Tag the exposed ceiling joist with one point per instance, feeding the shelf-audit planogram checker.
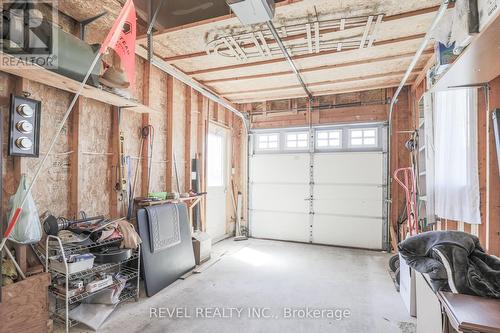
(399, 74)
(301, 36)
(340, 90)
(303, 56)
(406, 55)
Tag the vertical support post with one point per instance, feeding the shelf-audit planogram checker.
(215, 112)
(202, 139)
(187, 139)
(146, 121)
(170, 133)
(74, 194)
(114, 163)
(20, 168)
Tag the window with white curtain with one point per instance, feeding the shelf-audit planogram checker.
(456, 166)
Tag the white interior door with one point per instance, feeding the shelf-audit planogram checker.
(217, 171)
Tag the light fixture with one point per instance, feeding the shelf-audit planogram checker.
(252, 11)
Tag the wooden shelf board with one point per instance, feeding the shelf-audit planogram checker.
(478, 63)
(44, 76)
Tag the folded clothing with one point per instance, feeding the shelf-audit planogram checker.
(454, 261)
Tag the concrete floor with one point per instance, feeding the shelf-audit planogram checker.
(273, 278)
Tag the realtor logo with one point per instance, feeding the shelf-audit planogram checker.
(28, 31)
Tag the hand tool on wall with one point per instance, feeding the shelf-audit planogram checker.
(121, 185)
(176, 174)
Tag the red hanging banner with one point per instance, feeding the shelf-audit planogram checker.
(122, 37)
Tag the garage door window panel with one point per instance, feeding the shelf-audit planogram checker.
(329, 139)
(268, 142)
(363, 137)
(299, 141)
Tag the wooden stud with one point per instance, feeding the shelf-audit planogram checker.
(187, 139)
(74, 194)
(202, 142)
(322, 83)
(320, 68)
(21, 86)
(146, 121)
(305, 35)
(302, 56)
(349, 89)
(170, 134)
(114, 163)
(215, 112)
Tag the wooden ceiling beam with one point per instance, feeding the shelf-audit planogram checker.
(250, 45)
(324, 83)
(389, 84)
(319, 68)
(422, 11)
(298, 57)
(418, 12)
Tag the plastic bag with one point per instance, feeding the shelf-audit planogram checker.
(28, 229)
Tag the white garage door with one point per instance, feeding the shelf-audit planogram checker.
(280, 187)
(346, 183)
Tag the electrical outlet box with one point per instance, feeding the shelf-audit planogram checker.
(24, 129)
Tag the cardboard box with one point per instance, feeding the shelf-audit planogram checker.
(407, 286)
(25, 305)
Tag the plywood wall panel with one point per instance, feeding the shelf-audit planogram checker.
(53, 184)
(178, 134)
(95, 146)
(131, 127)
(158, 99)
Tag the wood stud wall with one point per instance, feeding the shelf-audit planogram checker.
(87, 160)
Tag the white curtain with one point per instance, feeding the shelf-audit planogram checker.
(456, 166)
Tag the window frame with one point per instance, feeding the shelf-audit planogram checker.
(267, 134)
(328, 131)
(344, 129)
(350, 145)
(297, 133)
